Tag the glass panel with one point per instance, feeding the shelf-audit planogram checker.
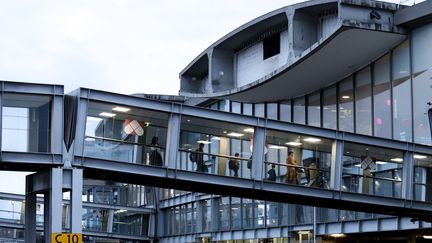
(247, 212)
(382, 100)
(207, 214)
(133, 136)
(215, 147)
(224, 214)
(297, 159)
(346, 105)
(402, 124)
(422, 177)
(272, 111)
(247, 109)
(272, 214)
(314, 109)
(26, 123)
(422, 82)
(299, 110)
(126, 222)
(235, 213)
(363, 103)
(372, 170)
(259, 213)
(259, 110)
(236, 107)
(224, 105)
(329, 108)
(285, 111)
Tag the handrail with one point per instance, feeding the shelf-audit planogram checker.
(216, 155)
(295, 166)
(379, 178)
(124, 141)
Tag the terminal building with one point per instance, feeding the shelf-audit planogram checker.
(311, 123)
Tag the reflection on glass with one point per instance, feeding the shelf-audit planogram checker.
(329, 108)
(26, 123)
(382, 100)
(247, 109)
(422, 178)
(259, 110)
(363, 102)
(285, 111)
(299, 110)
(372, 170)
(236, 107)
(314, 109)
(402, 121)
(272, 111)
(346, 105)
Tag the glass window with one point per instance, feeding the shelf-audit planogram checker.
(214, 106)
(272, 111)
(382, 100)
(346, 105)
(224, 214)
(285, 111)
(314, 109)
(372, 170)
(125, 134)
(235, 213)
(422, 178)
(247, 212)
(26, 123)
(259, 110)
(247, 109)
(224, 105)
(402, 125)
(299, 110)
(363, 102)
(422, 82)
(236, 107)
(329, 108)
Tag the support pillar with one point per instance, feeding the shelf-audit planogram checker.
(173, 136)
(53, 209)
(408, 176)
(76, 201)
(258, 154)
(30, 213)
(336, 165)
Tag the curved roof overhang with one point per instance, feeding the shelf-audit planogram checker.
(343, 53)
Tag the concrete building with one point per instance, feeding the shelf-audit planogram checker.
(308, 124)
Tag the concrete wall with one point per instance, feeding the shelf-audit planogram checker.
(305, 26)
(222, 70)
(250, 65)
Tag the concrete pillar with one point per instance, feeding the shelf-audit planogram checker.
(53, 204)
(30, 212)
(110, 220)
(336, 165)
(258, 154)
(173, 136)
(76, 201)
(408, 176)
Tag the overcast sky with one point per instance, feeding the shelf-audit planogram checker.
(124, 46)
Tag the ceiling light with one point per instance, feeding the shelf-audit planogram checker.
(216, 138)
(381, 163)
(418, 156)
(121, 109)
(250, 130)
(107, 114)
(357, 165)
(294, 143)
(427, 237)
(204, 142)
(276, 147)
(397, 159)
(337, 235)
(346, 97)
(235, 134)
(312, 140)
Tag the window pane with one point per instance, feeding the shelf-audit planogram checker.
(285, 111)
(363, 102)
(272, 111)
(402, 124)
(346, 105)
(314, 114)
(224, 105)
(259, 110)
(329, 108)
(235, 107)
(382, 100)
(299, 110)
(247, 109)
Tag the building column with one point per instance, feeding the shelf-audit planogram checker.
(408, 175)
(258, 154)
(110, 222)
(53, 209)
(30, 212)
(173, 136)
(76, 201)
(336, 165)
(199, 216)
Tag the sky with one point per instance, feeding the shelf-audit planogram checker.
(122, 46)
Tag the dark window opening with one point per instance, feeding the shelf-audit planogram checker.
(271, 46)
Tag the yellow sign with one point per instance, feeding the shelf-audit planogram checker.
(66, 238)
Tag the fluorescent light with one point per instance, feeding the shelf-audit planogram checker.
(250, 130)
(418, 156)
(397, 159)
(235, 134)
(204, 142)
(346, 97)
(216, 138)
(427, 237)
(337, 235)
(312, 140)
(381, 163)
(107, 114)
(121, 109)
(357, 165)
(294, 143)
(276, 147)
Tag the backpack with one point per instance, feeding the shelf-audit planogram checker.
(231, 164)
(193, 157)
(249, 163)
(156, 158)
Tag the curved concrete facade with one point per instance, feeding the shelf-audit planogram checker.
(312, 48)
